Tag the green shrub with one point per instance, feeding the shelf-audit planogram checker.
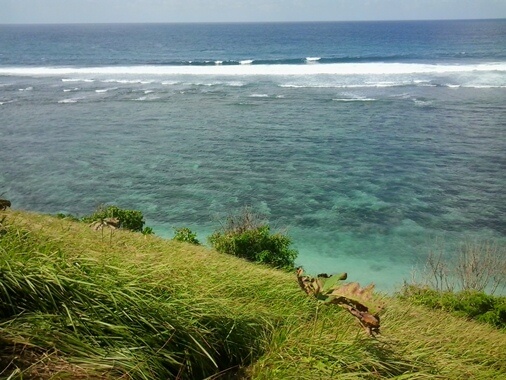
(148, 231)
(256, 244)
(185, 235)
(468, 304)
(128, 219)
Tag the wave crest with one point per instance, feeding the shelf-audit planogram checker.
(249, 69)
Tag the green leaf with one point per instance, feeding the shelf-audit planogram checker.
(330, 283)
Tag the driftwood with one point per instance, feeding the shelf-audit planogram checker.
(350, 297)
(4, 203)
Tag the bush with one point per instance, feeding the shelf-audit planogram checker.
(245, 236)
(148, 231)
(132, 220)
(185, 235)
(467, 303)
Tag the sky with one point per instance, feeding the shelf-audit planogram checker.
(100, 11)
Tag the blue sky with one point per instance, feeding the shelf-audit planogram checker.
(70, 11)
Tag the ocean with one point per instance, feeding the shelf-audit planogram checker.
(368, 143)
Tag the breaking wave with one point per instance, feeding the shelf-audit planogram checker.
(246, 68)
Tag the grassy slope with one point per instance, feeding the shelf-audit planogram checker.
(88, 304)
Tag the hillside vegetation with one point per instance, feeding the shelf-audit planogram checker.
(77, 303)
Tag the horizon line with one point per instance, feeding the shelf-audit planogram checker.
(245, 22)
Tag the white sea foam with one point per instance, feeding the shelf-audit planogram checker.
(144, 98)
(26, 89)
(422, 103)
(246, 68)
(484, 86)
(235, 84)
(64, 79)
(292, 86)
(401, 83)
(102, 90)
(354, 99)
(380, 84)
(337, 85)
(404, 95)
(218, 62)
(335, 75)
(312, 59)
(373, 85)
(246, 62)
(127, 81)
(259, 96)
(67, 101)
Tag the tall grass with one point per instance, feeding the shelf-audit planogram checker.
(139, 307)
(83, 307)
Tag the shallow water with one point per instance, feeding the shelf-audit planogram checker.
(364, 163)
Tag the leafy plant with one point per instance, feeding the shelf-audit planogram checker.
(246, 235)
(256, 244)
(148, 231)
(356, 300)
(186, 235)
(128, 219)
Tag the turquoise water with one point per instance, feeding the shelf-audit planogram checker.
(366, 154)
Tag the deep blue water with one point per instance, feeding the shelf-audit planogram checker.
(369, 142)
(282, 43)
